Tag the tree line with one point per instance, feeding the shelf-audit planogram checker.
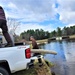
(38, 34)
(66, 31)
(41, 34)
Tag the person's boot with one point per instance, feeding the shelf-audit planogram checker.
(8, 39)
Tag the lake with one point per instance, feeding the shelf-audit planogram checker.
(64, 61)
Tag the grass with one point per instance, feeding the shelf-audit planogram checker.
(26, 72)
(50, 64)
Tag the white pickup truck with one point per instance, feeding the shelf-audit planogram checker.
(14, 59)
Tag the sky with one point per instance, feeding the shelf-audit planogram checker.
(40, 14)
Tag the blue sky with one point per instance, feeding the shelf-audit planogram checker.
(40, 14)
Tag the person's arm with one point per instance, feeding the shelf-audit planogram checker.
(27, 42)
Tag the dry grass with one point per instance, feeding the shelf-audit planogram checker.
(72, 36)
(26, 72)
(40, 41)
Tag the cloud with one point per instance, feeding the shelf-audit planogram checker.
(40, 11)
(66, 10)
(25, 27)
(70, 25)
(30, 10)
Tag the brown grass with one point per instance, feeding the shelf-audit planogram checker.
(72, 36)
(26, 72)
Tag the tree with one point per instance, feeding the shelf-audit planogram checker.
(38, 34)
(13, 26)
(59, 32)
(64, 31)
(53, 34)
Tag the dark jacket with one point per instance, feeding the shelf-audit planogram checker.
(2, 14)
(35, 46)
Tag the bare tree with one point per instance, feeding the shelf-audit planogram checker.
(13, 25)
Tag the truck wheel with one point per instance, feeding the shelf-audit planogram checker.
(3, 71)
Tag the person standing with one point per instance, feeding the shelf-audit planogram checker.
(3, 26)
(34, 45)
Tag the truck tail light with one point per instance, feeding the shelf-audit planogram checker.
(28, 53)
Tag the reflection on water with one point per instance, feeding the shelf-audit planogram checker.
(64, 61)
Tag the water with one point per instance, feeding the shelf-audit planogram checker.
(65, 59)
